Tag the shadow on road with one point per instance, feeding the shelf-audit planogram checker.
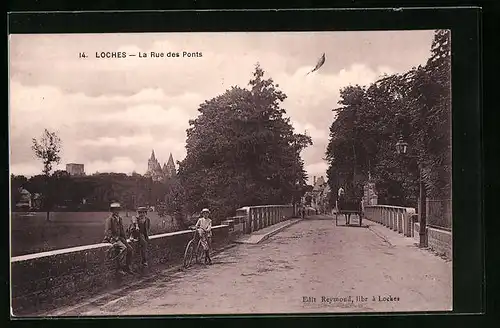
(353, 226)
(319, 217)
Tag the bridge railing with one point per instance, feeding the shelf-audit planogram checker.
(252, 218)
(396, 218)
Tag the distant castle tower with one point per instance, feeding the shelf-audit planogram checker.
(169, 169)
(156, 172)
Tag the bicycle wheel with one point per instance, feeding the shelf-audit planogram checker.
(188, 254)
(200, 253)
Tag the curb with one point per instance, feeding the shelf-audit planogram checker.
(272, 233)
(380, 235)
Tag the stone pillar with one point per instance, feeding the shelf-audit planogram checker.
(259, 219)
(264, 214)
(400, 226)
(254, 221)
(398, 212)
(387, 216)
(370, 194)
(248, 221)
(266, 217)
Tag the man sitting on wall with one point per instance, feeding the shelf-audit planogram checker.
(139, 230)
(115, 234)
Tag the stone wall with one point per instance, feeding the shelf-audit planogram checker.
(50, 279)
(440, 241)
(416, 231)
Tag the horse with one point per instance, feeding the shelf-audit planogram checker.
(341, 208)
(348, 208)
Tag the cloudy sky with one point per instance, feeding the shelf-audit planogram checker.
(110, 113)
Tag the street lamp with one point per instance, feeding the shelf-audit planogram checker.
(401, 146)
(401, 149)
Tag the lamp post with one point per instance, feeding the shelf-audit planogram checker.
(402, 148)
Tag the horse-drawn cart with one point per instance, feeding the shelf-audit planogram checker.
(348, 208)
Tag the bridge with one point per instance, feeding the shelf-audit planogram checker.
(266, 261)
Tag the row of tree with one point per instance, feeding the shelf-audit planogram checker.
(61, 191)
(414, 106)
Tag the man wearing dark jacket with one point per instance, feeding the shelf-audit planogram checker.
(139, 230)
(115, 234)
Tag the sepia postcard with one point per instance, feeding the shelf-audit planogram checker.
(230, 173)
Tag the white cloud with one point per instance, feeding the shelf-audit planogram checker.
(149, 115)
(117, 164)
(28, 169)
(122, 141)
(311, 130)
(317, 169)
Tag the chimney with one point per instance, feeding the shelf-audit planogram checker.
(314, 180)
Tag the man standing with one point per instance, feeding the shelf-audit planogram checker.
(114, 233)
(340, 198)
(140, 230)
(204, 227)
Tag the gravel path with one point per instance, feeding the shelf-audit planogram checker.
(312, 266)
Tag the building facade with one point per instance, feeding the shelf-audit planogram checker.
(75, 169)
(159, 173)
(319, 195)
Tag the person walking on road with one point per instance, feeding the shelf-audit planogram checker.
(204, 228)
(114, 233)
(139, 230)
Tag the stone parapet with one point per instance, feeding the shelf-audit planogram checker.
(49, 279)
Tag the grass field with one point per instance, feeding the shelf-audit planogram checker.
(31, 233)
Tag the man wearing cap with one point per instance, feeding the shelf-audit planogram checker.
(204, 227)
(115, 234)
(340, 198)
(140, 230)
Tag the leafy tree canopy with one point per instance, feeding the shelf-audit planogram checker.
(415, 105)
(242, 150)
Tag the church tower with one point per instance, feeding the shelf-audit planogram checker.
(154, 169)
(169, 168)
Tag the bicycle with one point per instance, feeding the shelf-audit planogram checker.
(192, 250)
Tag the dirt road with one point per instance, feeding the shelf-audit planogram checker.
(312, 266)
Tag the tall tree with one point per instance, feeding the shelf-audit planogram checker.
(47, 149)
(242, 150)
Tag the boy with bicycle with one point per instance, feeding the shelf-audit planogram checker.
(204, 228)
